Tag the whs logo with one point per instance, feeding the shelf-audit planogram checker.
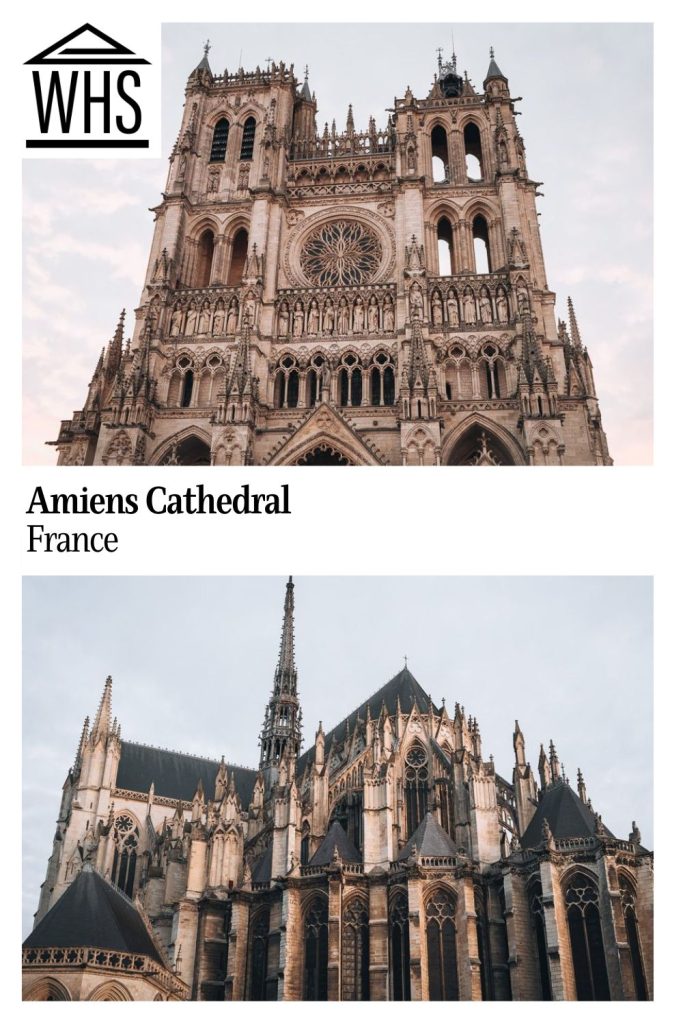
(89, 92)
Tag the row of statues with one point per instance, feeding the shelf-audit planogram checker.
(470, 307)
(341, 317)
(212, 318)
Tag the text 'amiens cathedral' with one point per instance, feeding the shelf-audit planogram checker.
(390, 861)
(344, 297)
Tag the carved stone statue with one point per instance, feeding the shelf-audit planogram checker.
(219, 318)
(233, 314)
(502, 307)
(416, 303)
(452, 307)
(437, 309)
(389, 320)
(298, 318)
(358, 316)
(343, 320)
(485, 310)
(191, 322)
(249, 309)
(469, 307)
(328, 317)
(313, 318)
(176, 323)
(522, 299)
(373, 316)
(204, 324)
(283, 321)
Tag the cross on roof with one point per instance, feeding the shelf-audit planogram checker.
(207, 47)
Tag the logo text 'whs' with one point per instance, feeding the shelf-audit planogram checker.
(88, 92)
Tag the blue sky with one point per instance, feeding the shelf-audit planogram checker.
(587, 124)
(192, 661)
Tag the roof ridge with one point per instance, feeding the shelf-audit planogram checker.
(186, 753)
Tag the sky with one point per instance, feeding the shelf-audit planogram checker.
(587, 124)
(192, 661)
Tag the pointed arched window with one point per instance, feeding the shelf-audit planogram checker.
(444, 235)
(439, 154)
(258, 955)
(473, 154)
(535, 894)
(585, 933)
(315, 950)
(126, 835)
(248, 134)
(355, 951)
(442, 961)
(399, 948)
(219, 143)
(628, 905)
(205, 249)
(416, 787)
(238, 257)
(482, 248)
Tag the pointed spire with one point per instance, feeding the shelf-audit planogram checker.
(204, 62)
(282, 726)
(573, 326)
(81, 745)
(555, 773)
(493, 71)
(102, 724)
(518, 745)
(581, 786)
(350, 128)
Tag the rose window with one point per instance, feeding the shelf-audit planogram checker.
(342, 253)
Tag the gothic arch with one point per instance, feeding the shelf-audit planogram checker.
(581, 892)
(197, 227)
(164, 449)
(324, 428)
(477, 422)
(48, 990)
(110, 992)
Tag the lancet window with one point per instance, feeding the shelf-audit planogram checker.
(416, 787)
(538, 926)
(399, 948)
(258, 967)
(219, 143)
(628, 905)
(442, 963)
(248, 135)
(355, 951)
(126, 836)
(315, 950)
(585, 933)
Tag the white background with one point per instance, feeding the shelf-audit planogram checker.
(402, 521)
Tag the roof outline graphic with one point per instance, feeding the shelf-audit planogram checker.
(113, 53)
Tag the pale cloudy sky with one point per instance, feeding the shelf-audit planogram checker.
(587, 123)
(193, 659)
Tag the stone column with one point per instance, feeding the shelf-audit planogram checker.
(379, 940)
(237, 949)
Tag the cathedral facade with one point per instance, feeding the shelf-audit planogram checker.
(348, 296)
(390, 861)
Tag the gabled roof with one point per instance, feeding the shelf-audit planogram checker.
(175, 775)
(430, 840)
(336, 837)
(404, 687)
(566, 814)
(93, 913)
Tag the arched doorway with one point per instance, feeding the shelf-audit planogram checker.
(323, 455)
(191, 451)
(478, 447)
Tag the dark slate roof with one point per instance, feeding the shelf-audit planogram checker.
(430, 840)
(494, 71)
(263, 868)
(403, 687)
(175, 775)
(336, 836)
(93, 913)
(565, 812)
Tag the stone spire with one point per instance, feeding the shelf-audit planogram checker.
(102, 724)
(573, 326)
(282, 723)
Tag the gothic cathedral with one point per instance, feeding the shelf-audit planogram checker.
(390, 861)
(344, 297)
